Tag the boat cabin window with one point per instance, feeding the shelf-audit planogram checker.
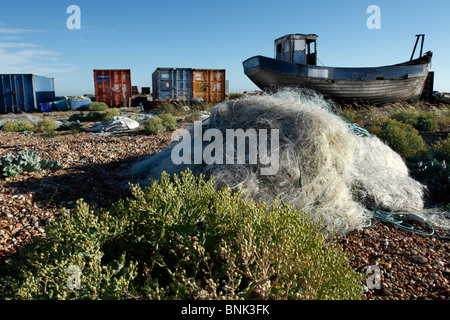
(296, 49)
(279, 48)
(311, 56)
(282, 50)
(299, 45)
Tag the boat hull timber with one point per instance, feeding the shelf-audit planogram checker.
(377, 85)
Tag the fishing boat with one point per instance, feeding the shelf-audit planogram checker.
(295, 65)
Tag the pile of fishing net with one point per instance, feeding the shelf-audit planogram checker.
(326, 166)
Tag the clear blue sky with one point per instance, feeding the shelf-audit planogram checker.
(142, 35)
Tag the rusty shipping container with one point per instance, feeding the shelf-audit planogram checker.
(208, 85)
(113, 87)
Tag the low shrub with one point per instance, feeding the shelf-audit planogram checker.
(168, 121)
(111, 113)
(86, 117)
(401, 137)
(18, 125)
(97, 106)
(427, 123)
(174, 108)
(75, 126)
(47, 125)
(76, 117)
(155, 126)
(408, 117)
(433, 171)
(422, 121)
(166, 107)
(182, 239)
(443, 146)
(193, 116)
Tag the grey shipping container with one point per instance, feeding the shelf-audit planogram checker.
(172, 84)
(24, 92)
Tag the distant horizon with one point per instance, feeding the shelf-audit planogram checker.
(53, 39)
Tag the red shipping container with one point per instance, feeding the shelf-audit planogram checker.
(113, 87)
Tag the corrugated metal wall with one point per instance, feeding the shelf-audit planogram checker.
(186, 84)
(24, 92)
(172, 84)
(208, 85)
(113, 87)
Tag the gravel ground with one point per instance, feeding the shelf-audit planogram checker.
(95, 168)
(411, 266)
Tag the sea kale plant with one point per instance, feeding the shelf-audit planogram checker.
(29, 161)
(181, 238)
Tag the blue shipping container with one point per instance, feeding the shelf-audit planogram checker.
(24, 92)
(172, 84)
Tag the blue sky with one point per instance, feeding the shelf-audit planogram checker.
(142, 35)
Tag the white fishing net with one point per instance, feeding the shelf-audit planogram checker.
(325, 168)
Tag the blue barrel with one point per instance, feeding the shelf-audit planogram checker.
(79, 104)
(46, 106)
(62, 105)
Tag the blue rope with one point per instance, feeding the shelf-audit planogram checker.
(354, 126)
(399, 220)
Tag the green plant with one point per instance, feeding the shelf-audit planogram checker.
(433, 171)
(235, 96)
(443, 146)
(111, 113)
(193, 116)
(76, 117)
(47, 125)
(174, 108)
(166, 107)
(18, 125)
(182, 239)
(155, 126)
(168, 121)
(70, 126)
(427, 123)
(408, 117)
(422, 121)
(401, 137)
(97, 106)
(94, 116)
(25, 161)
(90, 116)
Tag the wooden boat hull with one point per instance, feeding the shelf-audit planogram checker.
(373, 85)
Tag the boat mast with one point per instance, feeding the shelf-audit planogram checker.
(418, 36)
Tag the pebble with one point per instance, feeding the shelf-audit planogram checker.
(440, 263)
(393, 247)
(30, 201)
(418, 259)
